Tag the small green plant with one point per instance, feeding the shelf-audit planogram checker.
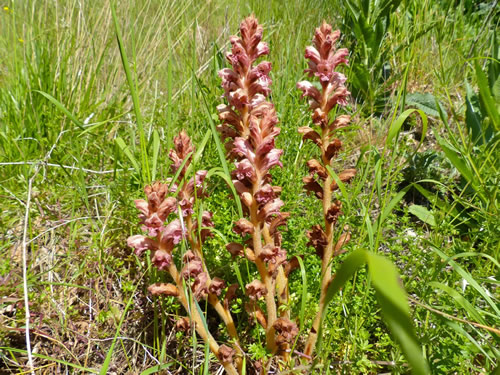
(368, 22)
(249, 130)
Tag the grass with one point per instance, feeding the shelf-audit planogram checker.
(76, 181)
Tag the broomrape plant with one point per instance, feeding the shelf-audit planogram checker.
(248, 127)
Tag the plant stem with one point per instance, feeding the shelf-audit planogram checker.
(264, 274)
(188, 302)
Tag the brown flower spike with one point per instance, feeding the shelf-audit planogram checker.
(249, 125)
(323, 59)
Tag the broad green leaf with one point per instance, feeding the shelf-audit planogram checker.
(473, 118)
(392, 300)
(351, 264)
(395, 310)
(486, 97)
(423, 214)
(427, 103)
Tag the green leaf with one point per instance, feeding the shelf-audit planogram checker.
(423, 214)
(396, 125)
(155, 369)
(303, 299)
(455, 159)
(156, 152)
(135, 99)
(392, 300)
(460, 300)
(486, 97)
(395, 310)
(109, 355)
(468, 277)
(427, 103)
(61, 107)
(126, 150)
(473, 118)
(394, 201)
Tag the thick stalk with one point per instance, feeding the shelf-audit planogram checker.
(212, 298)
(281, 279)
(326, 267)
(326, 272)
(188, 304)
(264, 274)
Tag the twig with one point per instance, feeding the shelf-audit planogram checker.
(37, 163)
(24, 249)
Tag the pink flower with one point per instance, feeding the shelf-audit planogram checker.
(312, 54)
(271, 159)
(270, 208)
(199, 287)
(265, 194)
(245, 171)
(216, 286)
(243, 148)
(171, 234)
(193, 268)
(141, 244)
(309, 90)
(235, 249)
(142, 206)
(256, 290)
(243, 226)
(162, 259)
(186, 207)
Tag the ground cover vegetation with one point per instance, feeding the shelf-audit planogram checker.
(99, 100)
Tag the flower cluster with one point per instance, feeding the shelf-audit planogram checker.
(163, 235)
(249, 121)
(249, 127)
(323, 60)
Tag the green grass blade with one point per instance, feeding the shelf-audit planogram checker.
(468, 277)
(303, 294)
(388, 209)
(126, 150)
(155, 369)
(460, 300)
(396, 125)
(225, 177)
(109, 355)
(62, 108)
(146, 177)
(41, 356)
(156, 152)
